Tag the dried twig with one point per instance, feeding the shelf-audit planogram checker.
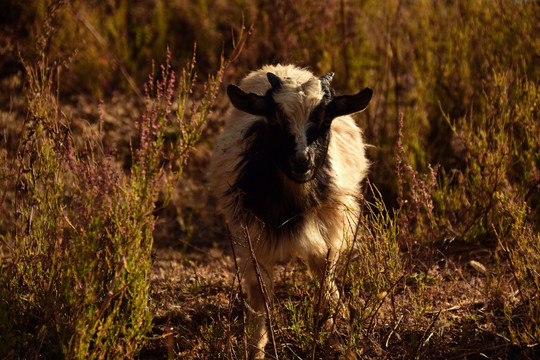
(376, 310)
(424, 338)
(231, 303)
(393, 331)
(317, 313)
(262, 288)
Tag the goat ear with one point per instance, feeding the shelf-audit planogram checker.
(251, 103)
(348, 104)
(274, 80)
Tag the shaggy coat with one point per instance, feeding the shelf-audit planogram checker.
(287, 168)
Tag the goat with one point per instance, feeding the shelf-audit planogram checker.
(286, 173)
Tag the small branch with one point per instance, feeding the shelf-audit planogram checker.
(317, 313)
(393, 331)
(423, 338)
(513, 270)
(262, 288)
(376, 310)
(231, 302)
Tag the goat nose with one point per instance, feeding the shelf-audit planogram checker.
(302, 157)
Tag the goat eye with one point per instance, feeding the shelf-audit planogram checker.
(274, 118)
(279, 119)
(318, 116)
(324, 121)
(327, 120)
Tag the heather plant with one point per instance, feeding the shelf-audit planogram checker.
(500, 150)
(415, 202)
(75, 276)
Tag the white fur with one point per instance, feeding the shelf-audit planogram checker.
(326, 225)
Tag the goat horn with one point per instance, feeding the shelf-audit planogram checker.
(327, 79)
